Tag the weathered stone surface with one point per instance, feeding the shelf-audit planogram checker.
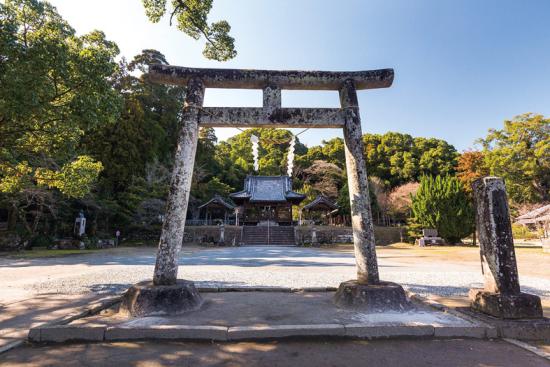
(259, 79)
(379, 297)
(166, 267)
(506, 306)
(495, 236)
(272, 97)
(282, 331)
(34, 334)
(174, 332)
(388, 331)
(271, 117)
(501, 296)
(145, 299)
(72, 333)
(361, 216)
(477, 332)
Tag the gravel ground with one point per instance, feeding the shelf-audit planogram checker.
(115, 270)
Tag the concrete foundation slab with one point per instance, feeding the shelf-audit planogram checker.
(175, 332)
(260, 315)
(66, 333)
(388, 331)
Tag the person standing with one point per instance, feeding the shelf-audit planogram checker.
(117, 234)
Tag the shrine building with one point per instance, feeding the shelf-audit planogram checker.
(266, 200)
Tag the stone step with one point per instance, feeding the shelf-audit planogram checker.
(262, 235)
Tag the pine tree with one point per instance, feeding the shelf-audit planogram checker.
(442, 203)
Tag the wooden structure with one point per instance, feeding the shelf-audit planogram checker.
(266, 200)
(270, 115)
(323, 206)
(538, 219)
(217, 211)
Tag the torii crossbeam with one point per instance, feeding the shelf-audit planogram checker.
(273, 115)
(271, 82)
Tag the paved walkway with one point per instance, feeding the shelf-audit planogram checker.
(429, 271)
(34, 291)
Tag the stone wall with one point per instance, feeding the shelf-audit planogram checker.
(211, 234)
(334, 234)
(325, 234)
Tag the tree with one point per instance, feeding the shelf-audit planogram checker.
(442, 203)
(191, 17)
(399, 158)
(471, 166)
(520, 153)
(56, 88)
(399, 200)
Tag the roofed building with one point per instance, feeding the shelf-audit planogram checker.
(321, 210)
(217, 210)
(266, 200)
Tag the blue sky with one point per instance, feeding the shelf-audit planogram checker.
(461, 67)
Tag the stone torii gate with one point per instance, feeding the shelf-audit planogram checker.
(367, 290)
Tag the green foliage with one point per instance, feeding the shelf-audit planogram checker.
(191, 17)
(522, 232)
(399, 158)
(73, 179)
(55, 89)
(520, 153)
(442, 203)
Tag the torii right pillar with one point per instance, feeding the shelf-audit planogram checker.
(367, 291)
(501, 296)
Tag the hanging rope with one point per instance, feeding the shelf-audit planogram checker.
(290, 157)
(255, 140)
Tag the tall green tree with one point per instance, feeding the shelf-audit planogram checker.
(520, 153)
(441, 203)
(399, 158)
(55, 88)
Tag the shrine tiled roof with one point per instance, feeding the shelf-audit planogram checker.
(267, 189)
(321, 203)
(220, 201)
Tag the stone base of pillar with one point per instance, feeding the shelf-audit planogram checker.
(144, 299)
(380, 297)
(506, 306)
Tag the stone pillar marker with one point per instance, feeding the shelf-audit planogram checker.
(367, 291)
(501, 296)
(167, 294)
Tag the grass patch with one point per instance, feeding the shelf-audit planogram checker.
(42, 252)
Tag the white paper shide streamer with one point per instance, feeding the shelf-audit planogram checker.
(255, 140)
(290, 157)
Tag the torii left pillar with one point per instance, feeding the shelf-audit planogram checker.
(166, 294)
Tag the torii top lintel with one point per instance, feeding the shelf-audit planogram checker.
(283, 79)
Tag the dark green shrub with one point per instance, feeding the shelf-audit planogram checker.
(442, 203)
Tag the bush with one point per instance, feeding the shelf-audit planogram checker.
(442, 203)
(521, 231)
(40, 240)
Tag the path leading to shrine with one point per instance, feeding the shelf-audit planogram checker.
(34, 291)
(441, 271)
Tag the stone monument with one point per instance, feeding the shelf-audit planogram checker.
(501, 296)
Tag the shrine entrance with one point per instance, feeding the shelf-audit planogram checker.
(272, 115)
